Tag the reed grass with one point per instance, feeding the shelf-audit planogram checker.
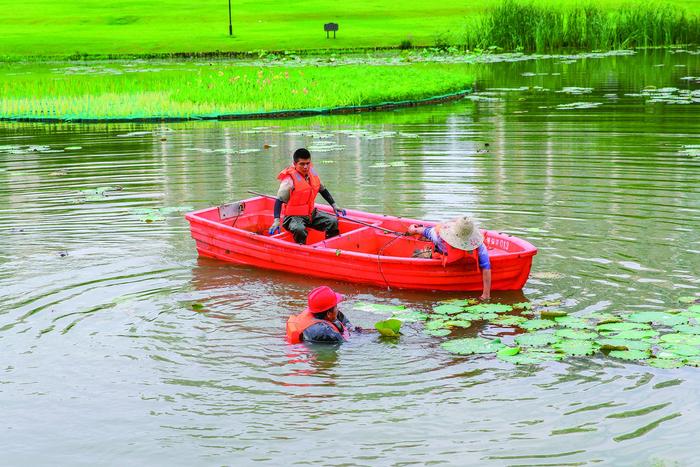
(178, 91)
(533, 27)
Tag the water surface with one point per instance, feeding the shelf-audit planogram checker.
(104, 361)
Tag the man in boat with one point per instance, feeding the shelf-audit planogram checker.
(321, 322)
(454, 240)
(299, 185)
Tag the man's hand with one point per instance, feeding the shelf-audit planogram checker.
(275, 227)
(414, 229)
(339, 211)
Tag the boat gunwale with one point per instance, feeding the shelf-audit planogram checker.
(528, 250)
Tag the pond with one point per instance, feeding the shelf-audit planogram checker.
(104, 360)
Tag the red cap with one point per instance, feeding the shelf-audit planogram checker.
(323, 298)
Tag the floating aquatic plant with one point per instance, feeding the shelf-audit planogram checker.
(622, 326)
(629, 354)
(458, 323)
(634, 334)
(552, 314)
(576, 347)
(378, 307)
(389, 327)
(473, 345)
(447, 309)
(489, 308)
(438, 332)
(575, 334)
(409, 316)
(573, 322)
(658, 317)
(538, 339)
(509, 320)
(534, 324)
(666, 363)
(615, 343)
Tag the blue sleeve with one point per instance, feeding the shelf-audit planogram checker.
(321, 333)
(484, 261)
(433, 236)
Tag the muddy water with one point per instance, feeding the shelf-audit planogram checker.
(104, 361)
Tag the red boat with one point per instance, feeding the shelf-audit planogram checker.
(370, 249)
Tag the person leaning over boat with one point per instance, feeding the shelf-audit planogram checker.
(321, 322)
(452, 239)
(299, 185)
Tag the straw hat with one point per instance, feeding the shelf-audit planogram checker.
(461, 233)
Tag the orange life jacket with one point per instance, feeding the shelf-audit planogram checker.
(451, 254)
(303, 196)
(297, 324)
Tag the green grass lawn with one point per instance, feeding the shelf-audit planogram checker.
(62, 28)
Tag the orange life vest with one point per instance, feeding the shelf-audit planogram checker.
(297, 324)
(303, 196)
(451, 254)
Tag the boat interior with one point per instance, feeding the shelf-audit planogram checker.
(375, 236)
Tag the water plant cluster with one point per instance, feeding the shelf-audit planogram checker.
(537, 333)
(517, 25)
(219, 89)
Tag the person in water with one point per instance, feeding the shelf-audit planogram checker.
(299, 185)
(456, 238)
(321, 321)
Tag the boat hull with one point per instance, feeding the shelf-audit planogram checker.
(361, 254)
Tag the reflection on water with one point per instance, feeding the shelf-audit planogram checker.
(104, 358)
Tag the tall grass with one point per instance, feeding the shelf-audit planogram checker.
(43, 91)
(529, 27)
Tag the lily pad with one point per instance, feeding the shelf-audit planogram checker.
(447, 309)
(410, 316)
(378, 307)
(552, 314)
(687, 329)
(606, 318)
(666, 363)
(622, 326)
(573, 322)
(694, 308)
(635, 334)
(576, 347)
(196, 306)
(458, 323)
(438, 332)
(522, 306)
(509, 320)
(658, 317)
(623, 344)
(508, 351)
(534, 324)
(389, 327)
(470, 317)
(530, 357)
(434, 325)
(681, 350)
(576, 334)
(489, 308)
(679, 338)
(536, 339)
(473, 345)
(548, 303)
(689, 300)
(461, 302)
(629, 354)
